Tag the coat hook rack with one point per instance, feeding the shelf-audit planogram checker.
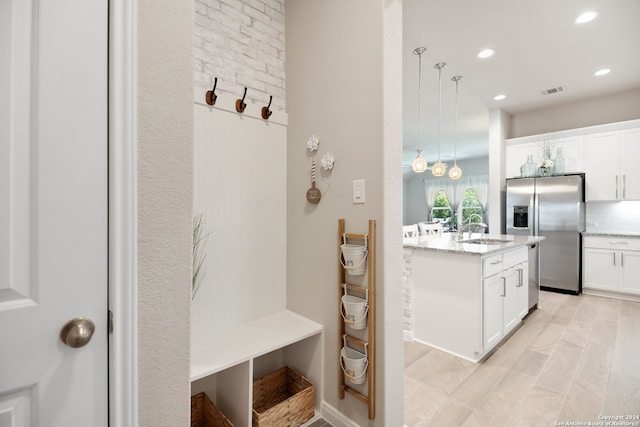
(266, 113)
(240, 104)
(211, 94)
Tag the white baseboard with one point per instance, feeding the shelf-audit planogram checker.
(335, 417)
(614, 295)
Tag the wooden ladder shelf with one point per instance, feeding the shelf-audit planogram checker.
(369, 293)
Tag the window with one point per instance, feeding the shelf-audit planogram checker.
(471, 209)
(441, 210)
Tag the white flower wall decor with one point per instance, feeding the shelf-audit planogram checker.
(313, 143)
(327, 162)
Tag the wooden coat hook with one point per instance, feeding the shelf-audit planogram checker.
(240, 104)
(266, 113)
(211, 94)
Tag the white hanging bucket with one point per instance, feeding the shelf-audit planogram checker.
(354, 311)
(354, 364)
(353, 257)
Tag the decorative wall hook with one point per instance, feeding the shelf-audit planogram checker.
(266, 113)
(211, 94)
(240, 104)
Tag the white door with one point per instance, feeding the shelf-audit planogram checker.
(630, 272)
(600, 269)
(53, 211)
(630, 170)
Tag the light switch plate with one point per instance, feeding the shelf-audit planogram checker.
(358, 191)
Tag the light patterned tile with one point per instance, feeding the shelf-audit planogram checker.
(544, 403)
(413, 351)
(592, 364)
(594, 367)
(495, 411)
(424, 400)
(450, 414)
(558, 372)
(440, 370)
(475, 389)
(581, 404)
(630, 309)
(548, 338)
(578, 332)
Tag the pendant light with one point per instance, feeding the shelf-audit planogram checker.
(439, 168)
(455, 172)
(419, 164)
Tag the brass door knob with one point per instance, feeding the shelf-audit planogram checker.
(77, 332)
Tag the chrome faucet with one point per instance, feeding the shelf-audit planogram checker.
(470, 224)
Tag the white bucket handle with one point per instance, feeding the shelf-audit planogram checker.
(366, 346)
(342, 312)
(353, 267)
(353, 377)
(366, 239)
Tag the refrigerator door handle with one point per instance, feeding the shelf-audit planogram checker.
(536, 215)
(614, 259)
(621, 259)
(624, 186)
(616, 186)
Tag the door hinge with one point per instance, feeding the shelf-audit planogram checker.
(110, 322)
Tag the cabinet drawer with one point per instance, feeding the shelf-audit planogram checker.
(514, 257)
(618, 243)
(491, 265)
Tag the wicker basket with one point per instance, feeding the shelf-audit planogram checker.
(283, 398)
(205, 414)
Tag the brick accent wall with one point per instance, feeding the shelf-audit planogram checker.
(241, 42)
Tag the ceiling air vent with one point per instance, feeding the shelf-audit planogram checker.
(553, 90)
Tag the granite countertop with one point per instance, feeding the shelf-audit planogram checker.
(447, 243)
(611, 234)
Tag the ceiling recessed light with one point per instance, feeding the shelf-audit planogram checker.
(486, 53)
(602, 72)
(587, 17)
(499, 97)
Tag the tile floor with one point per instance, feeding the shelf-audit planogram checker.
(573, 359)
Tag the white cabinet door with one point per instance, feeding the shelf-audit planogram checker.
(600, 269)
(493, 296)
(516, 156)
(603, 166)
(630, 171)
(630, 271)
(573, 153)
(511, 307)
(522, 290)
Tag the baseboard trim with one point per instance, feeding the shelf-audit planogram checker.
(614, 295)
(335, 417)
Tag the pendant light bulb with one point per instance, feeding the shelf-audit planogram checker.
(419, 163)
(455, 172)
(439, 168)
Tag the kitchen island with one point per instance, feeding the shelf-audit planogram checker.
(466, 296)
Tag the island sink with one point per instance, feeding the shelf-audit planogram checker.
(483, 241)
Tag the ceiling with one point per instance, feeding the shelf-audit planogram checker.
(538, 46)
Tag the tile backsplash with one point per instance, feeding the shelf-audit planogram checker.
(615, 217)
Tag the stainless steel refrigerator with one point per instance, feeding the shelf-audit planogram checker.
(552, 207)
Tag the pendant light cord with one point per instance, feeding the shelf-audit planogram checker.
(439, 106)
(455, 128)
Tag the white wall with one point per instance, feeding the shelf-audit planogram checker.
(612, 108)
(240, 185)
(415, 208)
(340, 82)
(164, 202)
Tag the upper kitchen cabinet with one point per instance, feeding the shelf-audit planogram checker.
(519, 149)
(612, 173)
